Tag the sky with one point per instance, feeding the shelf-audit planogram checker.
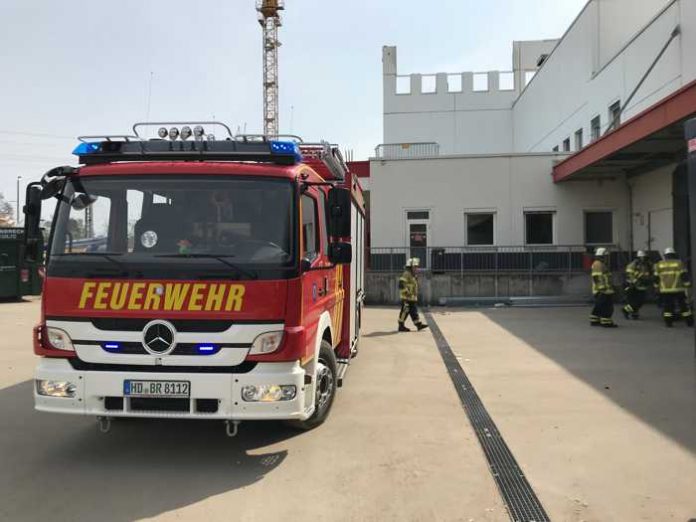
(78, 67)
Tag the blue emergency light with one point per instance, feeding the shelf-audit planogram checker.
(86, 148)
(111, 347)
(286, 147)
(207, 349)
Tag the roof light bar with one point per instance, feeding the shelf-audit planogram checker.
(87, 148)
(286, 147)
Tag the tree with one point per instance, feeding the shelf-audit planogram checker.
(6, 212)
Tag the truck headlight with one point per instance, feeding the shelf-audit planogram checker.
(59, 339)
(266, 343)
(62, 389)
(269, 393)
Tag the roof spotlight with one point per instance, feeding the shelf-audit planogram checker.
(162, 132)
(211, 137)
(185, 132)
(173, 133)
(198, 132)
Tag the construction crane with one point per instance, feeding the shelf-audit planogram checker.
(269, 18)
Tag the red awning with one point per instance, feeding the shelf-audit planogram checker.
(653, 138)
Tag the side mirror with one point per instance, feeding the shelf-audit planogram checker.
(341, 253)
(339, 212)
(82, 201)
(33, 239)
(52, 188)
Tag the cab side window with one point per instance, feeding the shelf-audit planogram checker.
(310, 245)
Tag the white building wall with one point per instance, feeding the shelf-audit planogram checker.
(582, 78)
(652, 210)
(465, 121)
(506, 184)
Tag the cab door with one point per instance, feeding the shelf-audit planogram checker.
(318, 275)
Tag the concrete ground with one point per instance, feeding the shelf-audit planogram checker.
(602, 422)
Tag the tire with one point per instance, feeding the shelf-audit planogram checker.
(326, 380)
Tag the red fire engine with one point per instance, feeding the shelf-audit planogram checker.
(200, 278)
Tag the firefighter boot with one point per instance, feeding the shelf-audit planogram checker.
(421, 326)
(402, 328)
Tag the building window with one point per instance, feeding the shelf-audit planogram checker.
(599, 227)
(417, 214)
(555, 149)
(566, 145)
(480, 229)
(614, 115)
(578, 139)
(538, 228)
(309, 228)
(595, 128)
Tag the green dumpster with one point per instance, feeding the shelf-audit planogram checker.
(17, 278)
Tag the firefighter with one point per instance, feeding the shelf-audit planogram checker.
(408, 292)
(638, 278)
(672, 281)
(603, 291)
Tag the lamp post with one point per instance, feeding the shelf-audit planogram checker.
(19, 178)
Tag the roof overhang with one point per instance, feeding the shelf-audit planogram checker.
(649, 140)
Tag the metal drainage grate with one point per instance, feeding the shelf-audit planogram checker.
(522, 503)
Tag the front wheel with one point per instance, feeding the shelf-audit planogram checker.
(325, 388)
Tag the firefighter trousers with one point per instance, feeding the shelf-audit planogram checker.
(409, 308)
(673, 304)
(635, 299)
(603, 310)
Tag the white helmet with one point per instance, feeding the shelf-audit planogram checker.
(413, 262)
(601, 252)
(669, 251)
(641, 253)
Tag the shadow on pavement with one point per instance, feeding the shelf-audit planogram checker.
(62, 468)
(648, 370)
(381, 334)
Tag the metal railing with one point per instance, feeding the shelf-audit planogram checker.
(556, 259)
(407, 150)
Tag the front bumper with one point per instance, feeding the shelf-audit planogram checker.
(98, 391)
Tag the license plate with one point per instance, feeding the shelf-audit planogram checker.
(178, 389)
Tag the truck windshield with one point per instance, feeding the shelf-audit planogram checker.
(174, 226)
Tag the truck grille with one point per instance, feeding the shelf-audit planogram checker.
(78, 364)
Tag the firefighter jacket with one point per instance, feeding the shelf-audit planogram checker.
(601, 278)
(671, 276)
(638, 275)
(408, 287)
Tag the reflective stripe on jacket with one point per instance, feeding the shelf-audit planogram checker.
(672, 276)
(638, 275)
(408, 286)
(601, 278)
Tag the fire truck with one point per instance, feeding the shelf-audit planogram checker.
(193, 277)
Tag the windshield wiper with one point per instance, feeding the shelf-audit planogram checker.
(106, 255)
(221, 258)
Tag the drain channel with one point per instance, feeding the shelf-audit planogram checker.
(522, 503)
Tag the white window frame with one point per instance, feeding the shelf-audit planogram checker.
(473, 211)
(554, 225)
(407, 232)
(585, 211)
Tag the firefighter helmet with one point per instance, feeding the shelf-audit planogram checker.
(669, 251)
(413, 262)
(601, 252)
(641, 253)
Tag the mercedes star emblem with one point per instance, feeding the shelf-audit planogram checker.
(159, 337)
